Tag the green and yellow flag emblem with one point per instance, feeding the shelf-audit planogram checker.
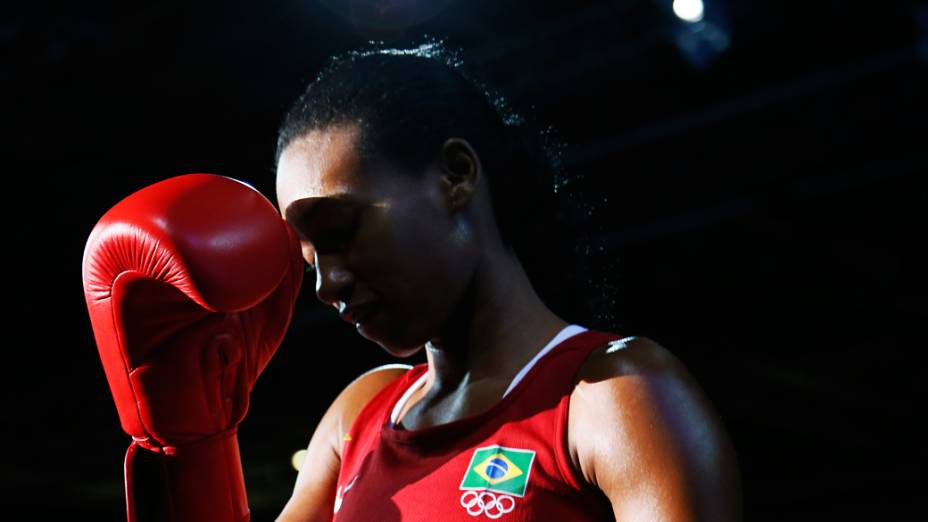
(500, 469)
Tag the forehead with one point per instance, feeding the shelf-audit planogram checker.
(321, 163)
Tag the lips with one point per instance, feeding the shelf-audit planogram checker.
(357, 312)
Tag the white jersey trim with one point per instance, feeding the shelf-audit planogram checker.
(568, 331)
(565, 333)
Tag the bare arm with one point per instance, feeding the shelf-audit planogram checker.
(660, 452)
(313, 495)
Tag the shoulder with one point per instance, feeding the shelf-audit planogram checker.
(658, 435)
(363, 388)
(360, 391)
(627, 355)
(619, 384)
(379, 376)
(315, 488)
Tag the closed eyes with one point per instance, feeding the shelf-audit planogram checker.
(338, 237)
(333, 232)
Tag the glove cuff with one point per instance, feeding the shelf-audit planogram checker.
(202, 480)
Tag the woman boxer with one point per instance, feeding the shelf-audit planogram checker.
(409, 191)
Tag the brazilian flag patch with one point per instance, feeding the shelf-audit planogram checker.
(500, 469)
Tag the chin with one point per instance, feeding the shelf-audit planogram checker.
(398, 348)
(395, 350)
(402, 353)
(402, 348)
(399, 337)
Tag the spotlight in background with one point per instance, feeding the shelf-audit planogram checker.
(703, 34)
(689, 10)
(297, 459)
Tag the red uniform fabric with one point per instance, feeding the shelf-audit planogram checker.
(509, 462)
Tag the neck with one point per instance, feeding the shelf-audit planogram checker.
(503, 323)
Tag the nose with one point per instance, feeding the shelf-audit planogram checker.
(334, 281)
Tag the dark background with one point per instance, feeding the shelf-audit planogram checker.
(755, 207)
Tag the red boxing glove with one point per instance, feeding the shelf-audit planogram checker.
(190, 284)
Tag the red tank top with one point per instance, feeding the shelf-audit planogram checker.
(509, 462)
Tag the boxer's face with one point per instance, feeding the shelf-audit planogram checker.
(375, 234)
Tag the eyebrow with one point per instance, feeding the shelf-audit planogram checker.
(302, 210)
(301, 214)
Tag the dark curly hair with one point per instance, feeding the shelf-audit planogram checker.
(407, 102)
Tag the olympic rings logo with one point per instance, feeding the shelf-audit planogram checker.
(484, 502)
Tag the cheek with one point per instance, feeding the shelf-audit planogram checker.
(416, 257)
(418, 266)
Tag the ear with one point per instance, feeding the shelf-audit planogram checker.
(461, 171)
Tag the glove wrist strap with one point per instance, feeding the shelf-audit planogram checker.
(199, 481)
